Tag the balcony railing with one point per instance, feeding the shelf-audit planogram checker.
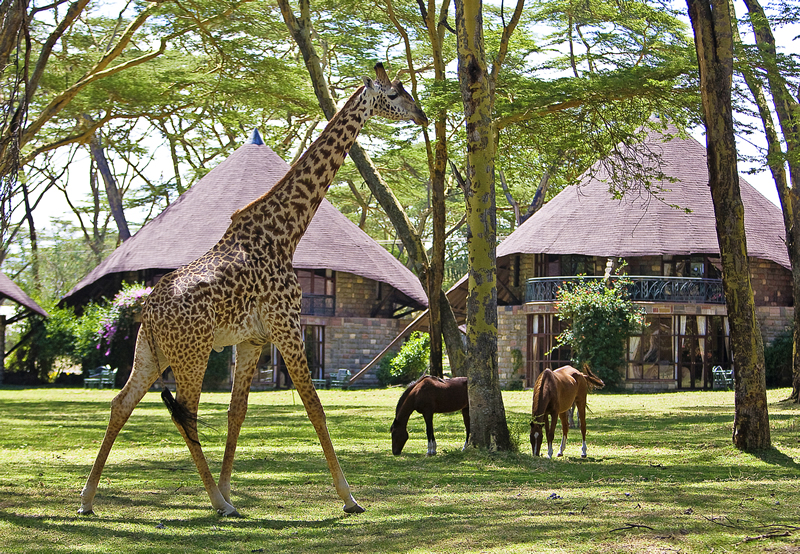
(318, 304)
(685, 290)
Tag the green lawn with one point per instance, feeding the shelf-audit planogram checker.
(661, 476)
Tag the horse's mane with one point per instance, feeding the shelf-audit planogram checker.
(405, 394)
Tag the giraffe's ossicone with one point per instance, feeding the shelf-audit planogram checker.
(244, 292)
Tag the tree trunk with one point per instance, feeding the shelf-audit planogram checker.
(787, 109)
(712, 24)
(112, 192)
(488, 427)
(300, 28)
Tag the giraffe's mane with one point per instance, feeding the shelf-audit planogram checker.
(290, 173)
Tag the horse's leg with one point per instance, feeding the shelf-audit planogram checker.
(564, 430)
(582, 415)
(246, 359)
(572, 417)
(550, 427)
(287, 337)
(144, 373)
(428, 416)
(465, 415)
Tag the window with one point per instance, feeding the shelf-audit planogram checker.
(681, 347)
(542, 351)
(319, 291)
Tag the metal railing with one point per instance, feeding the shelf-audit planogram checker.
(685, 290)
(318, 304)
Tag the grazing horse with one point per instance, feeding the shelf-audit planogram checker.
(429, 395)
(554, 393)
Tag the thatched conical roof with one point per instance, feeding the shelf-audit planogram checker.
(586, 219)
(10, 290)
(192, 224)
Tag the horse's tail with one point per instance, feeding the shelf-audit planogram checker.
(538, 392)
(592, 380)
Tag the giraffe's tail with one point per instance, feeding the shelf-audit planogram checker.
(180, 415)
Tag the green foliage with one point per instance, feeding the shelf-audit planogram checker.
(408, 364)
(778, 360)
(218, 370)
(600, 316)
(46, 341)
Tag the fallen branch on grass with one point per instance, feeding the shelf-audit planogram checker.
(629, 526)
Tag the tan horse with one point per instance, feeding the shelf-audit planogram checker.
(553, 394)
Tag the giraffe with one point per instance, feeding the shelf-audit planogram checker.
(244, 292)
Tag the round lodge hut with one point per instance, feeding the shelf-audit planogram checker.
(669, 244)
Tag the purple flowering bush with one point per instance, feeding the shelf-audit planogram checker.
(115, 335)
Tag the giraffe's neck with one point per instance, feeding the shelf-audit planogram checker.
(286, 210)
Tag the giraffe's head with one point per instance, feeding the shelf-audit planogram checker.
(391, 100)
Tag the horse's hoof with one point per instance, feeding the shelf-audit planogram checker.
(354, 509)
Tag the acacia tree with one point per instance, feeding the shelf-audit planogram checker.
(488, 427)
(713, 32)
(769, 67)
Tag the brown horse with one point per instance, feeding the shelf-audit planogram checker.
(553, 394)
(429, 395)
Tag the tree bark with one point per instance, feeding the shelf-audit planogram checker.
(712, 25)
(112, 191)
(488, 427)
(787, 109)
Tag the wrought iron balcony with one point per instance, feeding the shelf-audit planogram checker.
(318, 304)
(684, 290)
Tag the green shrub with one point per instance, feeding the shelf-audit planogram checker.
(408, 364)
(218, 370)
(47, 340)
(778, 360)
(600, 316)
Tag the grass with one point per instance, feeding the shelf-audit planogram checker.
(661, 476)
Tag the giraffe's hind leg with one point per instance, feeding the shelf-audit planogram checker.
(287, 337)
(246, 359)
(145, 371)
(188, 383)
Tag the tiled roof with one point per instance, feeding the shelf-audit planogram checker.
(586, 219)
(192, 224)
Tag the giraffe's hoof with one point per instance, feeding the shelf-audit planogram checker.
(354, 509)
(230, 511)
(85, 511)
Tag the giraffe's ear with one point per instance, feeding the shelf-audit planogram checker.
(367, 82)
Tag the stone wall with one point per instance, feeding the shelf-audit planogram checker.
(352, 342)
(512, 330)
(355, 295)
(774, 320)
(772, 283)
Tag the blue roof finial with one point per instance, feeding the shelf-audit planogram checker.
(255, 138)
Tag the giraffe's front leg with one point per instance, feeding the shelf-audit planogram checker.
(246, 359)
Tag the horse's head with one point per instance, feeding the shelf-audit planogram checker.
(399, 437)
(537, 435)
